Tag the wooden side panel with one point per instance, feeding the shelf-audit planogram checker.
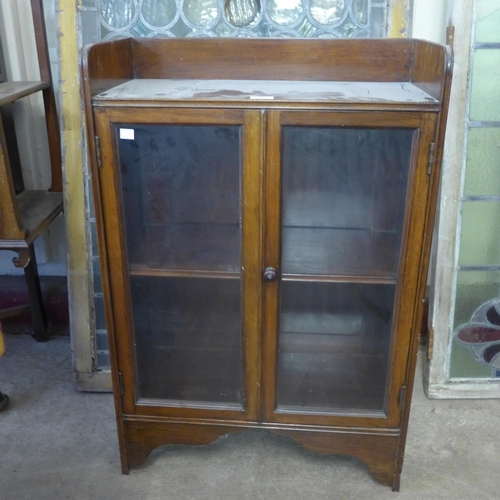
(10, 218)
(106, 65)
(340, 60)
(103, 66)
(432, 199)
(430, 65)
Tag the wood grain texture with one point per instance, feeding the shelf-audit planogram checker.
(431, 61)
(267, 59)
(252, 259)
(10, 219)
(12, 91)
(142, 437)
(105, 65)
(377, 451)
(38, 209)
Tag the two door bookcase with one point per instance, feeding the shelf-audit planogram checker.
(265, 213)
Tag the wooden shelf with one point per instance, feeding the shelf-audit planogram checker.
(339, 255)
(309, 254)
(331, 383)
(142, 270)
(37, 210)
(195, 374)
(12, 91)
(186, 250)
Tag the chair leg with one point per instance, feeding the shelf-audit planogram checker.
(40, 331)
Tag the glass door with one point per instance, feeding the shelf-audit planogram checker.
(333, 276)
(187, 271)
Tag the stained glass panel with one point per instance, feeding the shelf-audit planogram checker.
(487, 21)
(479, 236)
(290, 18)
(476, 325)
(482, 175)
(485, 90)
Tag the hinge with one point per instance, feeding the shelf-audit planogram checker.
(402, 394)
(430, 342)
(450, 35)
(121, 384)
(432, 149)
(98, 152)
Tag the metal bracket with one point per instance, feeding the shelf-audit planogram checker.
(430, 343)
(98, 152)
(402, 394)
(432, 150)
(121, 383)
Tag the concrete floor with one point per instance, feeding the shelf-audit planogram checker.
(57, 443)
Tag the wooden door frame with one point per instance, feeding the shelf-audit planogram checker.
(409, 290)
(115, 266)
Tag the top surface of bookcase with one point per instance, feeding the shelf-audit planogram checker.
(266, 91)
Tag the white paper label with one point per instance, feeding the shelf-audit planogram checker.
(127, 133)
(265, 97)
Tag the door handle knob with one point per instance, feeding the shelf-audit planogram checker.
(270, 274)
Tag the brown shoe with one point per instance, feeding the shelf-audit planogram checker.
(4, 401)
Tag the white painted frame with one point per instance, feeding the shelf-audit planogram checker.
(437, 381)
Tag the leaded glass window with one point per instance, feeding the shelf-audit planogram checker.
(234, 18)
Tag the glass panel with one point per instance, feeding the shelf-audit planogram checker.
(327, 11)
(480, 229)
(485, 91)
(344, 194)
(188, 339)
(284, 13)
(201, 12)
(181, 193)
(180, 187)
(377, 22)
(476, 342)
(360, 10)
(482, 174)
(103, 361)
(274, 18)
(334, 346)
(100, 318)
(101, 340)
(158, 13)
(241, 12)
(487, 21)
(343, 204)
(118, 18)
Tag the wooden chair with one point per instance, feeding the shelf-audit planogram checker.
(26, 214)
